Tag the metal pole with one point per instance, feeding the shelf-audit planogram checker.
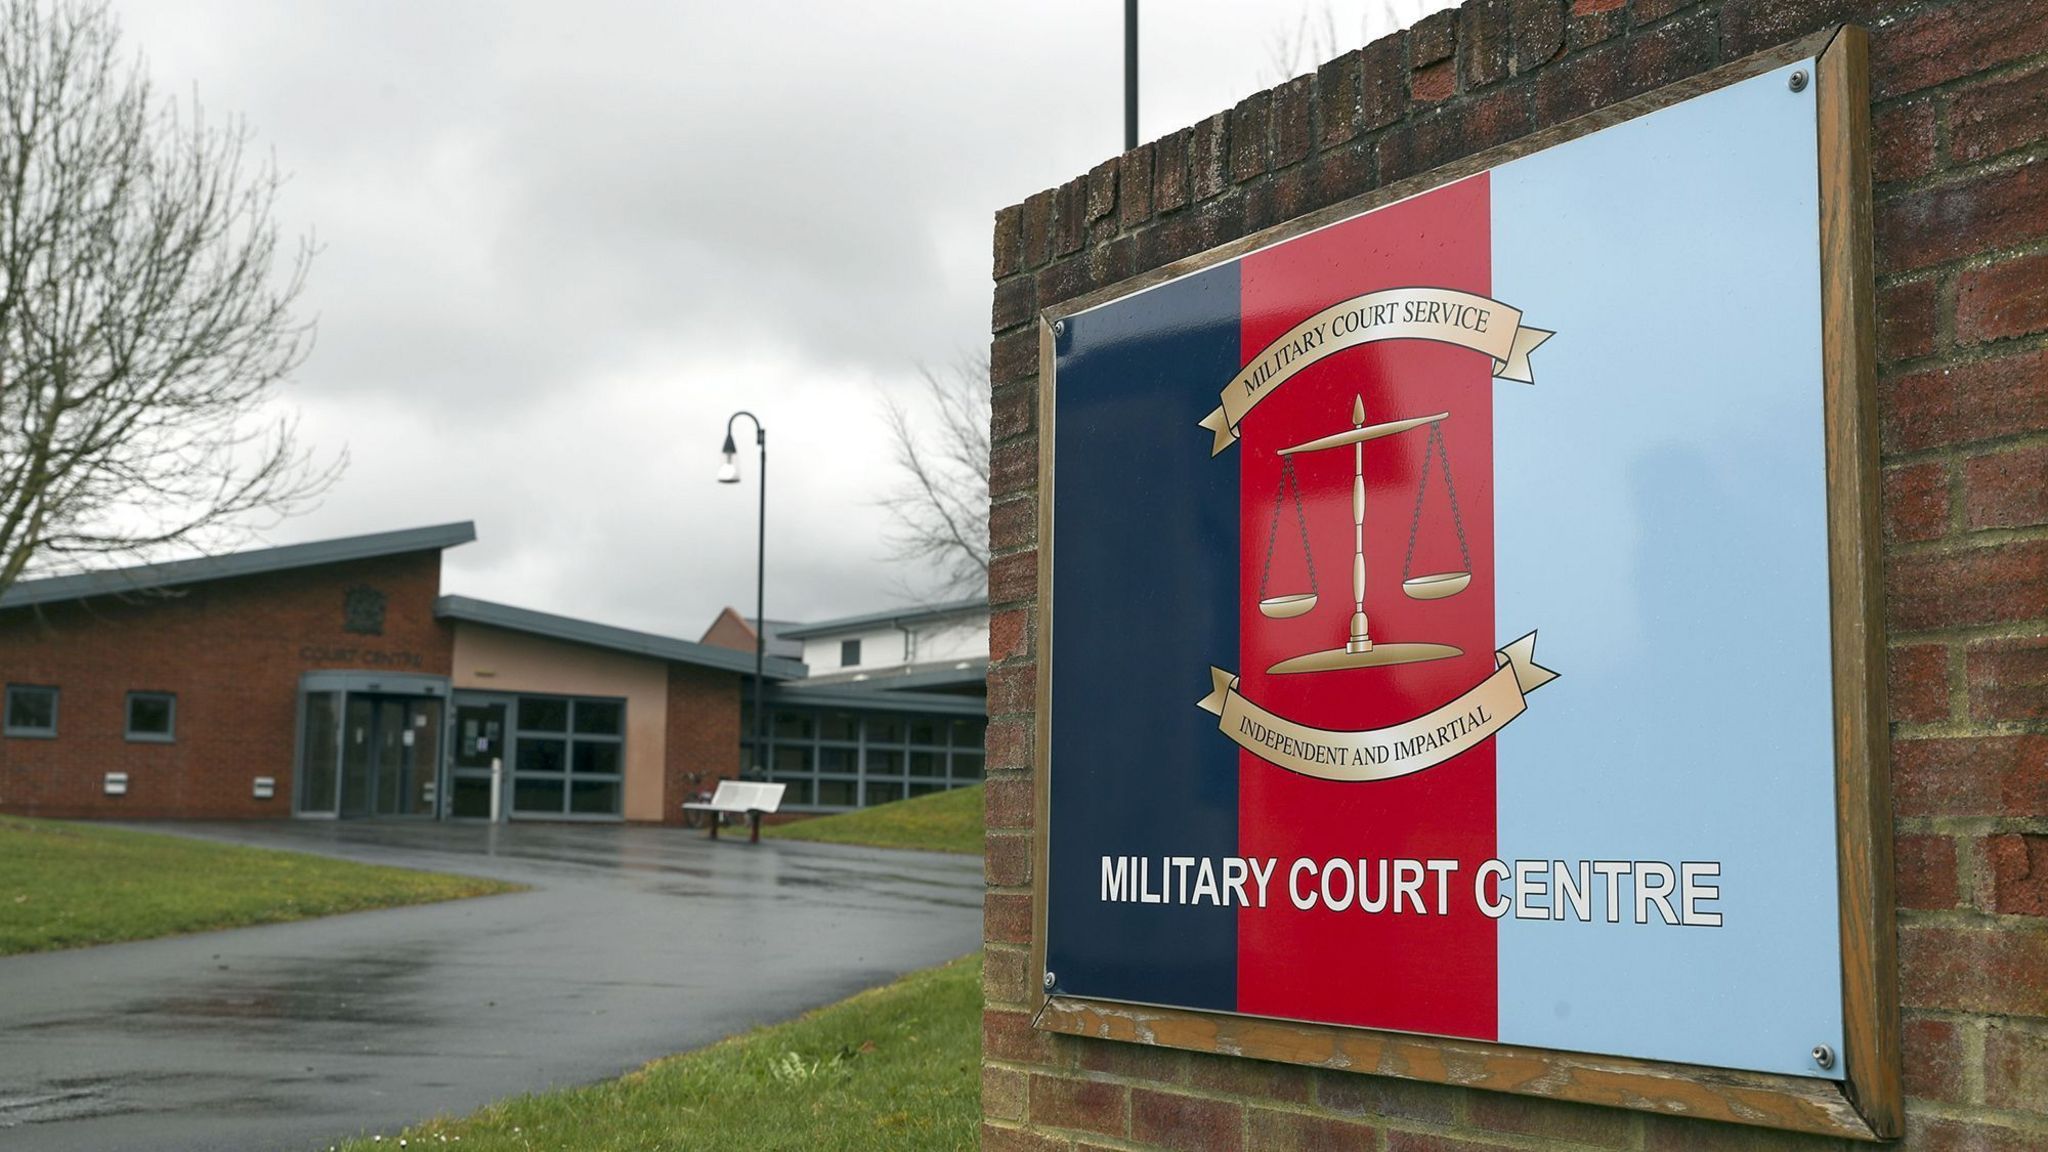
(730, 475)
(760, 598)
(1130, 74)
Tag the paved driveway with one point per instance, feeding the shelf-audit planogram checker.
(636, 942)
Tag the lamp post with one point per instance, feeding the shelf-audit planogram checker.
(729, 473)
(1130, 74)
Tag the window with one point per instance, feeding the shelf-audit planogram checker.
(543, 714)
(31, 710)
(152, 717)
(851, 759)
(568, 756)
(600, 717)
(849, 653)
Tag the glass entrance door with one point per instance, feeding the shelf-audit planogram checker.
(319, 754)
(479, 740)
(359, 756)
(390, 750)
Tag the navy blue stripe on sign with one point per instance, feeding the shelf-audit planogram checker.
(1145, 534)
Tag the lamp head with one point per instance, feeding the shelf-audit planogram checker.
(729, 472)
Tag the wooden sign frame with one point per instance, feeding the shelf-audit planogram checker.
(1868, 1103)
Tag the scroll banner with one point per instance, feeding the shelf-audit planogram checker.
(1382, 753)
(1445, 315)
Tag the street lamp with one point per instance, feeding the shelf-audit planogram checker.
(729, 473)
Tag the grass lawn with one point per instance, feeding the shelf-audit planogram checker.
(69, 885)
(942, 822)
(896, 1068)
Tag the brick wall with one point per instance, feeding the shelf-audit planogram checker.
(1960, 128)
(232, 651)
(730, 630)
(703, 733)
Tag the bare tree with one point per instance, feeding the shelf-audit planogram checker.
(142, 323)
(939, 510)
(1312, 40)
(1317, 36)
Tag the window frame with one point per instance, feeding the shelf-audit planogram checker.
(518, 736)
(849, 648)
(10, 729)
(864, 750)
(168, 736)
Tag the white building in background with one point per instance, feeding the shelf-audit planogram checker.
(940, 648)
(894, 704)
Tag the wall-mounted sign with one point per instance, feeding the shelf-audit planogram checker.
(1458, 627)
(362, 610)
(324, 654)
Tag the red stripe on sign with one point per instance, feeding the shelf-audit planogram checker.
(1413, 969)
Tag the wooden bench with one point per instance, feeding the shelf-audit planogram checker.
(741, 796)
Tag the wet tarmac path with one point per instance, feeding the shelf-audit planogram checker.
(635, 943)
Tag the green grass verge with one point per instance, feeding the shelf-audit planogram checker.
(69, 885)
(942, 822)
(897, 1068)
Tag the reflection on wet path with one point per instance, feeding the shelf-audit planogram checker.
(634, 942)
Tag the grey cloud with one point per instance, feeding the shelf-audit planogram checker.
(561, 243)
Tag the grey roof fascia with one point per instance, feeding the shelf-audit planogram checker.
(575, 631)
(976, 672)
(175, 573)
(861, 701)
(898, 616)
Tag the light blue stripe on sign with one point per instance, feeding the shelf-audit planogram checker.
(1661, 507)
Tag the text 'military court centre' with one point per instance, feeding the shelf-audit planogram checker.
(334, 679)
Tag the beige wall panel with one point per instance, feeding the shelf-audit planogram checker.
(494, 660)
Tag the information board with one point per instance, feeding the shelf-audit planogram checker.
(1442, 636)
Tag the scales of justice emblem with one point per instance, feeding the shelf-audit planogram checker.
(1472, 716)
(1358, 649)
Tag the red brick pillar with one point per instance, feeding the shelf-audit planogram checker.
(1960, 157)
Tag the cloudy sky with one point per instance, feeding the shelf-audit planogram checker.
(561, 243)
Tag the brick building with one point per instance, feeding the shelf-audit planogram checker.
(334, 679)
(1958, 137)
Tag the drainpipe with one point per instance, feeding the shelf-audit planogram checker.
(909, 643)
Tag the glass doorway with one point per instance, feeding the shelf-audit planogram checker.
(390, 750)
(480, 738)
(371, 744)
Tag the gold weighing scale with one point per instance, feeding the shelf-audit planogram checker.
(1358, 650)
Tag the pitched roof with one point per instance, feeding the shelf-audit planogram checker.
(256, 562)
(909, 615)
(731, 630)
(779, 643)
(605, 636)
